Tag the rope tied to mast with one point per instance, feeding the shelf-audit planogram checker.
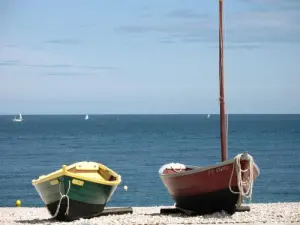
(60, 200)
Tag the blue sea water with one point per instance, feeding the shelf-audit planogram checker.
(136, 146)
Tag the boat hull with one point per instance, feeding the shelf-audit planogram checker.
(85, 201)
(17, 120)
(209, 202)
(205, 190)
(77, 210)
(80, 190)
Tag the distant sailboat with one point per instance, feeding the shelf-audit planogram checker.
(86, 117)
(20, 119)
(208, 115)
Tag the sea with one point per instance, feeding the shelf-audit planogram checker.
(136, 146)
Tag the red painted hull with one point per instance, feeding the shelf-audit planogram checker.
(205, 189)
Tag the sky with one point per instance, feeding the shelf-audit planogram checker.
(148, 57)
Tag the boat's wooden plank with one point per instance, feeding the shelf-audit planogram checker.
(187, 212)
(243, 208)
(168, 211)
(116, 211)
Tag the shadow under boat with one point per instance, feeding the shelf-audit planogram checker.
(80, 190)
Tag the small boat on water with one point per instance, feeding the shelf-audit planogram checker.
(20, 119)
(86, 117)
(223, 186)
(80, 190)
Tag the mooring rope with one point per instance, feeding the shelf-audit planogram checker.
(60, 200)
(181, 167)
(177, 167)
(245, 187)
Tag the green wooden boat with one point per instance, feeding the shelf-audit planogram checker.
(80, 190)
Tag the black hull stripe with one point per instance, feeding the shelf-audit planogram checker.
(209, 203)
(77, 210)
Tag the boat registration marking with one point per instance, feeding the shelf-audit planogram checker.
(218, 170)
(54, 182)
(77, 182)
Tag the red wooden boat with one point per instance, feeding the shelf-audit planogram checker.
(224, 186)
(204, 190)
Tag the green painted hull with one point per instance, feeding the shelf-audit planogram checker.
(85, 201)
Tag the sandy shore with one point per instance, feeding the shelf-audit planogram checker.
(282, 213)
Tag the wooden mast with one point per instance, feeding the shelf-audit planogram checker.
(221, 77)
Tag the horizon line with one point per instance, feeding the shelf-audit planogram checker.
(137, 114)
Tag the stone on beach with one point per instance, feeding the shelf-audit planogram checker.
(271, 213)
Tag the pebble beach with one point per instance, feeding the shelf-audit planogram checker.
(272, 213)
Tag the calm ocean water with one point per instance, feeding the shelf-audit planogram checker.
(136, 146)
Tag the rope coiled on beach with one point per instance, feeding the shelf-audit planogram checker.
(60, 200)
(244, 187)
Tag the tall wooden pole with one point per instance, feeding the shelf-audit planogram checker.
(221, 77)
